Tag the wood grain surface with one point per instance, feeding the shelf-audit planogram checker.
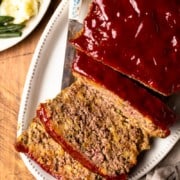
(14, 64)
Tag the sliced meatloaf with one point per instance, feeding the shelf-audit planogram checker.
(38, 145)
(137, 38)
(88, 122)
(141, 108)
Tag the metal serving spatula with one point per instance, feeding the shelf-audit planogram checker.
(73, 26)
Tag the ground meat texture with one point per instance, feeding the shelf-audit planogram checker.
(140, 106)
(36, 142)
(92, 122)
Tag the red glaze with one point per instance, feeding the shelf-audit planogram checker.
(126, 89)
(138, 38)
(41, 113)
(21, 148)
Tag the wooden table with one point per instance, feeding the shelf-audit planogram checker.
(14, 64)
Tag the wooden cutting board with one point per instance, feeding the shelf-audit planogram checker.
(14, 64)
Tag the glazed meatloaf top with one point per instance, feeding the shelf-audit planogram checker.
(38, 145)
(140, 39)
(137, 104)
(89, 124)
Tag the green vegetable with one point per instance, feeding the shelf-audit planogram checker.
(8, 29)
(11, 28)
(10, 34)
(5, 19)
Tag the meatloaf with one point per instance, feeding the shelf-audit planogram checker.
(141, 108)
(38, 145)
(89, 124)
(140, 39)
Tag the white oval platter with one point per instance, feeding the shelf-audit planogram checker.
(44, 82)
(6, 43)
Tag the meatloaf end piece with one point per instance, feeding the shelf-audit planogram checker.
(139, 39)
(88, 123)
(39, 146)
(141, 108)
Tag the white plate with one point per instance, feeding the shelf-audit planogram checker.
(44, 82)
(30, 26)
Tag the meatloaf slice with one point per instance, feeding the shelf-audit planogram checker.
(137, 38)
(88, 122)
(38, 145)
(141, 108)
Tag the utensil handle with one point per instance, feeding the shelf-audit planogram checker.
(74, 9)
